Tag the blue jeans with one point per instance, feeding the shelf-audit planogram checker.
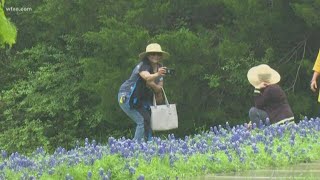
(256, 115)
(137, 117)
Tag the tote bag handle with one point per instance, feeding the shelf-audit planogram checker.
(165, 98)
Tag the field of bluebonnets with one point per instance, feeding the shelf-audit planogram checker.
(220, 149)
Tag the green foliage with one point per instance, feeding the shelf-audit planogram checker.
(308, 11)
(303, 104)
(24, 138)
(8, 31)
(48, 90)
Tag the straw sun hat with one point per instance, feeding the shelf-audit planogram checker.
(154, 47)
(262, 73)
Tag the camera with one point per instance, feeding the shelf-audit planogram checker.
(170, 71)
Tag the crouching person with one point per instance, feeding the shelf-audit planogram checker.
(269, 98)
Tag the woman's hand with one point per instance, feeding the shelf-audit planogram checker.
(162, 71)
(158, 89)
(313, 85)
(262, 85)
(155, 87)
(159, 97)
(151, 77)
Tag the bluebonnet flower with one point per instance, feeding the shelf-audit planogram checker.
(260, 138)
(215, 139)
(172, 159)
(242, 159)
(267, 121)
(279, 148)
(106, 177)
(222, 146)
(94, 143)
(40, 151)
(211, 158)
(287, 154)
(254, 126)
(51, 171)
(254, 148)
(109, 173)
(126, 166)
(238, 151)
(4, 154)
(77, 144)
(89, 175)
(136, 164)
(24, 176)
(141, 177)
(292, 137)
(303, 132)
(291, 142)
(260, 124)
(2, 165)
(186, 138)
(111, 141)
(215, 129)
(101, 171)
(229, 158)
(86, 142)
(235, 137)
(228, 126)
(223, 132)
(132, 170)
(69, 177)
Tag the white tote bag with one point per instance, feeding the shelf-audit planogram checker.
(163, 117)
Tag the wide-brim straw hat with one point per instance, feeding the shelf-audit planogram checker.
(154, 47)
(262, 73)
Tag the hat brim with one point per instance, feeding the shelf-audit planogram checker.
(165, 55)
(255, 81)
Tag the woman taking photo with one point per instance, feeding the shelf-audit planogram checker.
(136, 94)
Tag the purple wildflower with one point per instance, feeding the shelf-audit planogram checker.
(106, 177)
(141, 177)
(132, 170)
(101, 172)
(4, 154)
(69, 177)
(279, 149)
(89, 175)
